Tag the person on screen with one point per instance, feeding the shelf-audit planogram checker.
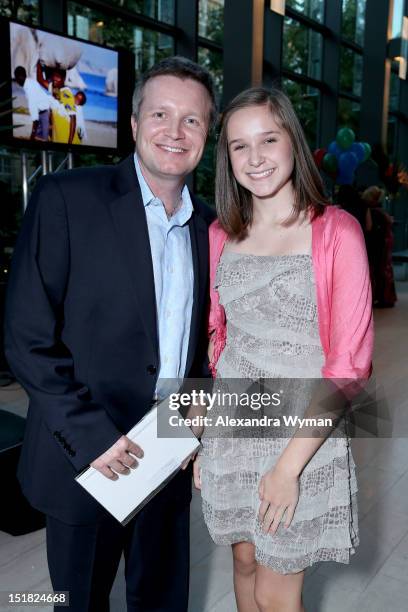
(80, 100)
(63, 118)
(107, 299)
(39, 104)
(56, 78)
(64, 124)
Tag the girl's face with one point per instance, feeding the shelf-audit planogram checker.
(260, 151)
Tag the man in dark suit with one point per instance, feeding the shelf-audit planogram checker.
(106, 299)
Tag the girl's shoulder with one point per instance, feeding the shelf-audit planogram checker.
(216, 231)
(215, 226)
(335, 220)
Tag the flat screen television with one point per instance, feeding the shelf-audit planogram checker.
(62, 92)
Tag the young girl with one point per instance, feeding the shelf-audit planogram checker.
(290, 298)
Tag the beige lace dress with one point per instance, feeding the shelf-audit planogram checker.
(272, 332)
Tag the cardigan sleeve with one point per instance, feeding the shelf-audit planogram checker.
(216, 318)
(351, 320)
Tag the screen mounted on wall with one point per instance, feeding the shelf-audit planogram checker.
(63, 91)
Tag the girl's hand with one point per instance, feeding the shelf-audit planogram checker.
(279, 493)
(197, 473)
(185, 463)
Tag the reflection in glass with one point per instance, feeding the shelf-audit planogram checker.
(391, 135)
(212, 60)
(311, 8)
(302, 49)
(11, 206)
(353, 20)
(349, 115)
(397, 16)
(306, 102)
(162, 10)
(25, 10)
(351, 71)
(148, 46)
(205, 173)
(395, 84)
(211, 19)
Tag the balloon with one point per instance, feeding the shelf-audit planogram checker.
(318, 156)
(345, 178)
(367, 150)
(348, 162)
(334, 148)
(359, 150)
(345, 138)
(329, 163)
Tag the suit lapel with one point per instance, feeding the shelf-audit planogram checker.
(199, 249)
(129, 219)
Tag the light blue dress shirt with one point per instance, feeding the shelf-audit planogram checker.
(173, 282)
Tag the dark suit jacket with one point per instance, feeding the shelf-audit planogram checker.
(81, 333)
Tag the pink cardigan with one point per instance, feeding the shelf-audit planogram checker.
(343, 293)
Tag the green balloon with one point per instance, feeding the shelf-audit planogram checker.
(345, 137)
(329, 163)
(367, 150)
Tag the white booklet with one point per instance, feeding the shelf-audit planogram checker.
(124, 497)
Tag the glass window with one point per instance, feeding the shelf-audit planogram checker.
(148, 46)
(351, 71)
(211, 19)
(205, 174)
(302, 49)
(25, 10)
(353, 20)
(11, 208)
(397, 15)
(391, 135)
(306, 101)
(212, 60)
(311, 8)
(349, 115)
(162, 10)
(395, 84)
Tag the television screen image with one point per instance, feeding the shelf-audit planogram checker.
(64, 90)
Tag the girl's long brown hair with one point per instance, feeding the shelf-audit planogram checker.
(234, 202)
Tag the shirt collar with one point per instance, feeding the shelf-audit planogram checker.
(148, 196)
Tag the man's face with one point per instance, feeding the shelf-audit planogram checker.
(172, 126)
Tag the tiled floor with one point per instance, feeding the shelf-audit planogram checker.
(376, 579)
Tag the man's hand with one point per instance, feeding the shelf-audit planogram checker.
(118, 458)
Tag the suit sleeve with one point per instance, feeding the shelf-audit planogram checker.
(351, 321)
(33, 323)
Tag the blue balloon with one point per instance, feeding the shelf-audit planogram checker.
(359, 151)
(348, 162)
(334, 149)
(345, 178)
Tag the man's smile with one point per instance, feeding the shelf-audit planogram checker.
(170, 149)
